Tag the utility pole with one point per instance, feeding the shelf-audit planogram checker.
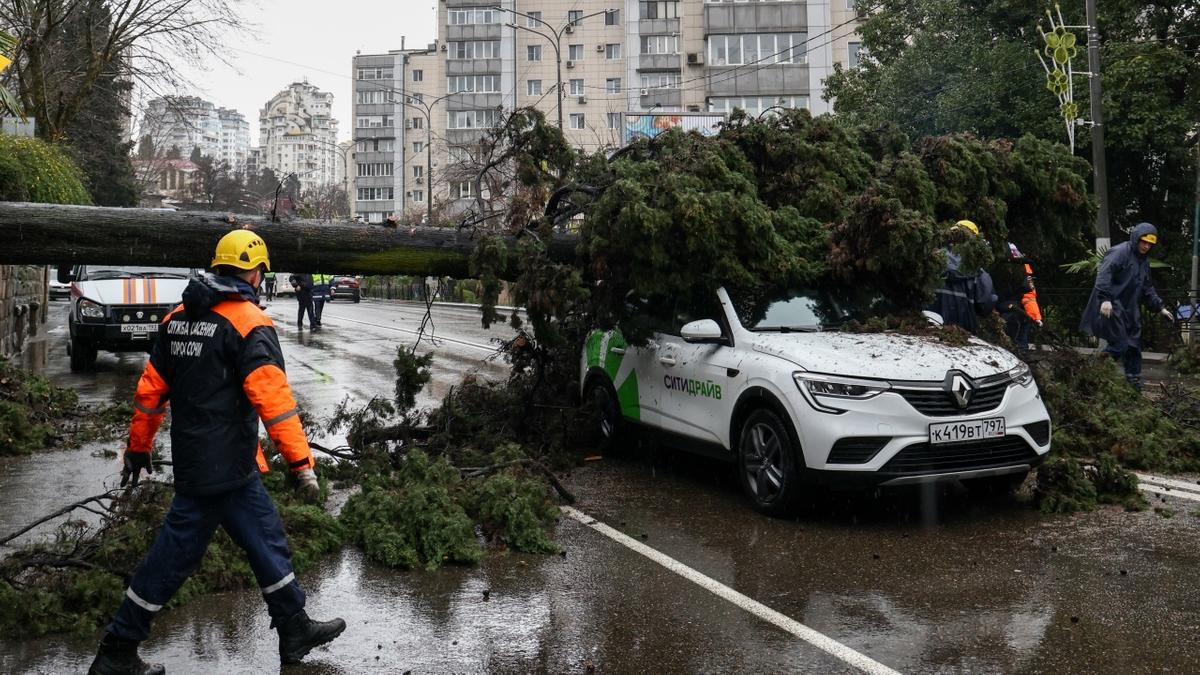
(1195, 141)
(1099, 165)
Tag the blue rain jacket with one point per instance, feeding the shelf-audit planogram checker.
(964, 297)
(1124, 280)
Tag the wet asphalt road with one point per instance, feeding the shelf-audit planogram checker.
(920, 582)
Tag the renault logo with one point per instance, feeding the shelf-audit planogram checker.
(960, 388)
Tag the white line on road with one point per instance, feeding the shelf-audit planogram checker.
(1147, 487)
(1168, 482)
(818, 640)
(435, 338)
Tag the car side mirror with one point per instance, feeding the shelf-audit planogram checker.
(704, 331)
(66, 274)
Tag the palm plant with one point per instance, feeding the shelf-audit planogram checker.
(8, 103)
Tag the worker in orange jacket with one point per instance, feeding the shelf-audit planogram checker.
(1019, 303)
(217, 363)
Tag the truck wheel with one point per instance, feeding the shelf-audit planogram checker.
(83, 354)
(768, 465)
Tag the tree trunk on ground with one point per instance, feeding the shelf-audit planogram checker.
(45, 234)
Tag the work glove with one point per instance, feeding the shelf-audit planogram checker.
(1168, 314)
(134, 463)
(1038, 322)
(310, 489)
(1106, 309)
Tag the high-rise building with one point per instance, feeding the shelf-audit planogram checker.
(606, 61)
(189, 122)
(298, 135)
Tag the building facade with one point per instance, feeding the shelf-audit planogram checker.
(298, 135)
(188, 122)
(596, 64)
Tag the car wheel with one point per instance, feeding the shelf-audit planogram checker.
(357, 298)
(767, 464)
(996, 485)
(83, 354)
(605, 410)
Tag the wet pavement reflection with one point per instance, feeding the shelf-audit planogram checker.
(924, 581)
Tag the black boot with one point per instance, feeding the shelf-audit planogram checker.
(298, 634)
(119, 657)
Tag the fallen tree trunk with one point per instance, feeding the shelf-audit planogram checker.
(52, 234)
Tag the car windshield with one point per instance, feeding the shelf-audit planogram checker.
(802, 310)
(110, 272)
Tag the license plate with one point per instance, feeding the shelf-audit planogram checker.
(957, 432)
(139, 328)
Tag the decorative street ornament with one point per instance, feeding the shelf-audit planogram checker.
(1056, 56)
(8, 103)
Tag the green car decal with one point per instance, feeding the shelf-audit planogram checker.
(600, 354)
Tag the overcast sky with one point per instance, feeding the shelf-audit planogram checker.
(296, 39)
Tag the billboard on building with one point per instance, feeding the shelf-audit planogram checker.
(650, 124)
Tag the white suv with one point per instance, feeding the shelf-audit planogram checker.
(771, 384)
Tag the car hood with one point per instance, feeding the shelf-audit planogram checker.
(133, 291)
(887, 356)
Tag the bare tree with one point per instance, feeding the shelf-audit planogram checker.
(64, 47)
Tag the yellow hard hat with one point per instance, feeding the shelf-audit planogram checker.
(242, 249)
(969, 226)
(1150, 238)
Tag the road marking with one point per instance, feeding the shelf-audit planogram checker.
(1147, 487)
(474, 345)
(1168, 482)
(818, 640)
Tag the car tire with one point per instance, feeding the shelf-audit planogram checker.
(768, 464)
(608, 423)
(996, 485)
(83, 354)
(357, 298)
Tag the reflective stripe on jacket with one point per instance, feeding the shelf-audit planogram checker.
(218, 362)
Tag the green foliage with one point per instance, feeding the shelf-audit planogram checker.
(32, 170)
(96, 139)
(31, 410)
(516, 509)
(1063, 487)
(412, 374)
(411, 519)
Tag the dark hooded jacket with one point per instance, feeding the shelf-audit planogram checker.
(217, 362)
(1124, 280)
(964, 297)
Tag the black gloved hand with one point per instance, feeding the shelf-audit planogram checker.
(134, 463)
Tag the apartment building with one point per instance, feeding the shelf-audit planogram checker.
(298, 135)
(596, 64)
(233, 144)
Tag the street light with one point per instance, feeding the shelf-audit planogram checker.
(555, 39)
(418, 102)
(345, 163)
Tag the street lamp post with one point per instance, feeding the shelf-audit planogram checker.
(426, 109)
(554, 37)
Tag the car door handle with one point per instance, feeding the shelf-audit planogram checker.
(667, 360)
(617, 350)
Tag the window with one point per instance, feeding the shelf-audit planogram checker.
(533, 53)
(765, 48)
(659, 9)
(756, 105)
(852, 55)
(418, 76)
(418, 171)
(375, 121)
(577, 121)
(575, 17)
(468, 16)
(418, 123)
(460, 189)
(375, 194)
(459, 154)
(418, 196)
(612, 50)
(575, 52)
(416, 98)
(375, 145)
(533, 19)
(612, 85)
(660, 44)
(375, 168)
(471, 119)
(418, 146)
(474, 49)
(374, 73)
(474, 83)
(576, 88)
(661, 80)
(612, 17)
(614, 120)
(533, 87)
(371, 96)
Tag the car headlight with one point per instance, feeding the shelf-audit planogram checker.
(1021, 374)
(91, 310)
(817, 389)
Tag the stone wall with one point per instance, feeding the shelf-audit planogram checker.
(23, 303)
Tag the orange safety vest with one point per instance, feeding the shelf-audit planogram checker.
(1029, 301)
